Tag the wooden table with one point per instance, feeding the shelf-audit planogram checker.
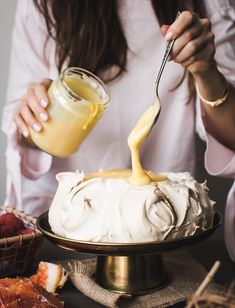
(205, 253)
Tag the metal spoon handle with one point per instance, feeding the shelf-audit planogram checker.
(164, 60)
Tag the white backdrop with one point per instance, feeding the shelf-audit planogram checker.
(7, 11)
(218, 187)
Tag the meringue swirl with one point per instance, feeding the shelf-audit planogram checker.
(107, 208)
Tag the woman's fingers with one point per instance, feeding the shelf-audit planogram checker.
(20, 123)
(40, 91)
(184, 21)
(38, 111)
(194, 42)
(164, 29)
(25, 115)
(31, 109)
(192, 47)
(190, 34)
(29, 118)
(197, 59)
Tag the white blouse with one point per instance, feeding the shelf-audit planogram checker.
(31, 173)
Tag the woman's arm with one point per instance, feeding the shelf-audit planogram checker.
(218, 121)
(28, 63)
(194, 49)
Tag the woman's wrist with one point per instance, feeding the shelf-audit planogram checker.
(210, 84)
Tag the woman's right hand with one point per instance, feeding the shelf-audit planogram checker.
(31, 111)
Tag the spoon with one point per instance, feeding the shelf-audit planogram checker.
(143, 128)
(164, 61)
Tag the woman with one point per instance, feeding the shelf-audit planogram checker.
(123, 42)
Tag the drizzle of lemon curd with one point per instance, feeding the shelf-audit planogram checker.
(83, 89)
(123, 174)
(137, 136)
(137, 175)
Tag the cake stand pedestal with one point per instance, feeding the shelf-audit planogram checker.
(128, 268)
(131, 274)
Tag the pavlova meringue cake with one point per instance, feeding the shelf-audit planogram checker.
(126, 206)
(107, 208)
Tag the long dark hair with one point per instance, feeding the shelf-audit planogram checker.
(89, 34)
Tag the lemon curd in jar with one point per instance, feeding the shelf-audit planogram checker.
(77, 101)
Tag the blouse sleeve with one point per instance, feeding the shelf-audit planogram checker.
(28, 64)
(219, 160)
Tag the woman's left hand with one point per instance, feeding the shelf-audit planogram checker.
(194, 45)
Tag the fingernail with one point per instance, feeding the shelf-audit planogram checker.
(25, 133)
(43, 116)
(169, 36)
(37, 127)
(44, 102)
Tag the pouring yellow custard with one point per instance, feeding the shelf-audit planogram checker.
(124, 174)
(77, 101)
(137, 176)
(135, 139)
(127, 206)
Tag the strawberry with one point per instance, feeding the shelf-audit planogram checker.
(7, 230)
(12, 220)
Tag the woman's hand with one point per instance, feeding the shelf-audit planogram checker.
(194, 45)
(31, 110)
(194, 49)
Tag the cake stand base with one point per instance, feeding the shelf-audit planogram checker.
(128, 268)
(133, 275)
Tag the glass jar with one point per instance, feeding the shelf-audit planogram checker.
(77, 101)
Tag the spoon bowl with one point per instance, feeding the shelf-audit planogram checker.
(163, 64)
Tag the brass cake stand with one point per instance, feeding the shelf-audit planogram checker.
(129, 268)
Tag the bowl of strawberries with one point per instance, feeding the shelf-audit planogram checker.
(19, 241)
